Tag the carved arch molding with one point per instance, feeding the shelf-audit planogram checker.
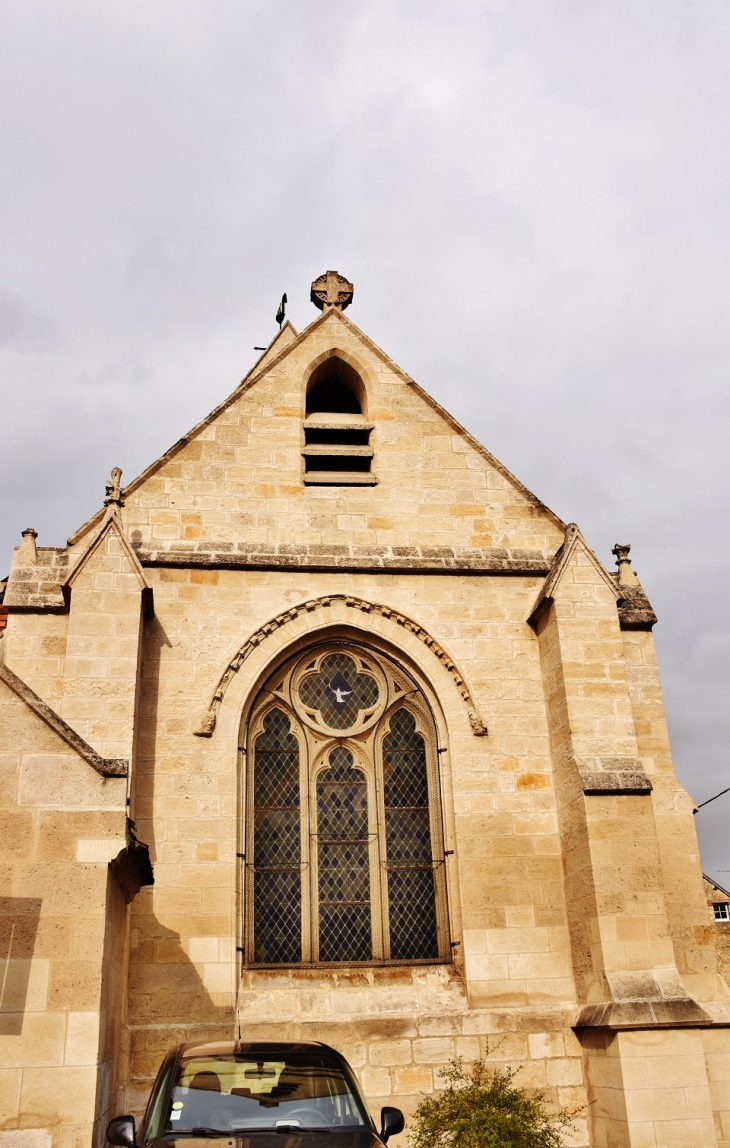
(208, 722)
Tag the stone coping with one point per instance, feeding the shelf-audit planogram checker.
(634, 609)
(616, 781)
(106, 766)
(613, 775)
(405, 559)
(644, 1013)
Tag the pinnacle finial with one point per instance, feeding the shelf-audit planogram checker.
(113, 489)
(626, 576)
(27, 550)
(332, 290)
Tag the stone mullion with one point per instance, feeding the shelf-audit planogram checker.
(436, 824)
(249, 760)
(379, 873)
(309, 870)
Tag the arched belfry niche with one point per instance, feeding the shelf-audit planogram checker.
(335, 386)
(337, 433)
(343, 824)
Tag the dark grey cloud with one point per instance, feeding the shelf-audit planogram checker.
(530, 196)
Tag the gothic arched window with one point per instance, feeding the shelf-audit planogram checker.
(345, 857)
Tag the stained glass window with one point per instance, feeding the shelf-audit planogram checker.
(411, 901)
(343, 861)
(338, 691)
(346, 862)
(277, 851)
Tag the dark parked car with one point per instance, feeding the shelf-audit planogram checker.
(258, 1092)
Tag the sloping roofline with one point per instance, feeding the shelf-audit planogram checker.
(111, 524)
(258, 371)
(715, 885)
(573, 539)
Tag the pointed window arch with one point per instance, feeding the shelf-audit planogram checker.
(337, 448)
(335, 388)
(343, 822)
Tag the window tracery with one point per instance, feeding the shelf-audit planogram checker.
(345, 854)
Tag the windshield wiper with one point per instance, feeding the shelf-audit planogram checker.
(296, 1130)
(200, 1131)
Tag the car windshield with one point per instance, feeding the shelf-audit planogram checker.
(248, 1091)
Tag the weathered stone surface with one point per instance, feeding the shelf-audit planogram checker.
(37, 586)
(582, 946)
(62, 926)
(634, 609)
(418, 560)
(107, 767)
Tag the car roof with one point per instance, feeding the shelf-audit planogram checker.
(271, 1047)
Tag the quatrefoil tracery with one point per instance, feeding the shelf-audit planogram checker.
(339, 692)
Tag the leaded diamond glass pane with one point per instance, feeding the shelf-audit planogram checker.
(411, 893)
(343, 861)
(412, 914)
(408, 835)
(277, 920)
(277, 846)
(338, 691)
(344, 933)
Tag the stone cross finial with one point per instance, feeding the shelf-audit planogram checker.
(626, 576)
(113, 489)
(332, 290)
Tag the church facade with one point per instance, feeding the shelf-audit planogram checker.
(324, 727)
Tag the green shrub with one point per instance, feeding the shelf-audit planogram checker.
(483, 1109)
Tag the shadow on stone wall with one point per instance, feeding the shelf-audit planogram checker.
(168, 1002)
(19, 918)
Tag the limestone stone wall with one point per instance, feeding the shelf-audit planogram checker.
(239, 476)
(505, 878)
(103, 646)
(60, 822)
(680, 859)
(651, 1087)
(399, 1027)
(581, 944)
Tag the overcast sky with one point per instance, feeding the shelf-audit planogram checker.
(531, 197)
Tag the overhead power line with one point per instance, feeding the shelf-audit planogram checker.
(709, 799)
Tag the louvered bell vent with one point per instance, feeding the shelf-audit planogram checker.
(337, 449)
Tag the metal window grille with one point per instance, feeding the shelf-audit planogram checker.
(343, 861)
(277, 892)
(411, 894)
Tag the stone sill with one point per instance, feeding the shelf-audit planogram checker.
(331, 450)
(343, 967)
(339, 477)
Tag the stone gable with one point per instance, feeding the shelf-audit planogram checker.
(238, 478)
(565, 930)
